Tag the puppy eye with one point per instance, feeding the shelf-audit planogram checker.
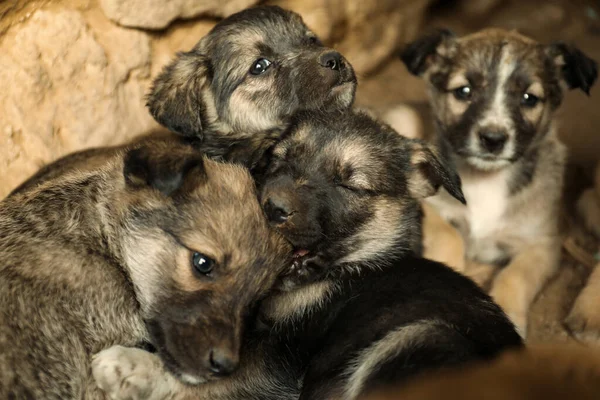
(202, 264)
(314, 40)
(260, 66)
(463, 93)
(339, 182)
(528, 100)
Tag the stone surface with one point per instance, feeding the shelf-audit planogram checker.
(63, 91)
(158, 14)
(367, 32)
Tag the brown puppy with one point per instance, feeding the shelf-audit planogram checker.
(156, 243)
(493, 96)
(538, 373)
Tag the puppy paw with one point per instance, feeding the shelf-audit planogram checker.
(126, 373)
(583, 323)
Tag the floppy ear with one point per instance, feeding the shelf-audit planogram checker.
(577, 70)
(175, 99)
(417, 56)
(429, 172)
(166, 168)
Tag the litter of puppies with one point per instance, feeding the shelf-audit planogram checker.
(270, 244)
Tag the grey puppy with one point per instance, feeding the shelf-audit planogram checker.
(239, 86)
(157, 243)
(493, 96)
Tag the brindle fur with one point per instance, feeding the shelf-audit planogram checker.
(359, 308)
(209, 92)
(512, 186)
(102, 256)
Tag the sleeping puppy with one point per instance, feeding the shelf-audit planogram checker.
(239, 86)
(493, 95)
(359, 308)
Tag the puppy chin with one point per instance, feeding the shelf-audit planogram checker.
(341, 96)
(487, 164)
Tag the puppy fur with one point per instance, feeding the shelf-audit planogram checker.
(359, 308)
(105, 256)
(239, 86)
(493, 95)
(549, 372)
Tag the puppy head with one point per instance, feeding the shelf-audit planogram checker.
(493, 92)
(250, 74)
(345, 189)
(199, 252)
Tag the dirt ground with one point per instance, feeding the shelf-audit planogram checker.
(567, 20)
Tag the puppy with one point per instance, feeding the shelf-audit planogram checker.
(157, 243)
(550, 372)
(493, 95)
(239, 86)
(358, 309)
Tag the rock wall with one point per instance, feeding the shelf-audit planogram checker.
(74, 73)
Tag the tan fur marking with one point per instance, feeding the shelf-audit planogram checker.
(379, 352)
(289, 304)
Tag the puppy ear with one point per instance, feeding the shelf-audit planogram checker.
(418, 55)
(577, 70)
(175, 99)
(430, 171)
(164, 167)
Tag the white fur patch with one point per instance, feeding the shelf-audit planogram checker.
(498, 114)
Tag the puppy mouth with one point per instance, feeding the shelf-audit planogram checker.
(298, 257)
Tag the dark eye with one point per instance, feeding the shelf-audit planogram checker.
(463, 93)
(528, 100)
(260, 66)
(314, 40)
(202, 264)
(339, 182)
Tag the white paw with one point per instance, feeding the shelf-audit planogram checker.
(126, 373)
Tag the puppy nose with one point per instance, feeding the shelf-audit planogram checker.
(222, 362)
(492, 141)
(331, 60)
(277, 211)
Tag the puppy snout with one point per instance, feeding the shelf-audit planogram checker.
(332, 60)
(493, 141)
(222, 361)
(278, 210)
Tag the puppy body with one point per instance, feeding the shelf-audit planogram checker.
(357, 309)
(108, 256)
(493, 96)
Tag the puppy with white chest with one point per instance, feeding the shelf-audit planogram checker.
(493, 95)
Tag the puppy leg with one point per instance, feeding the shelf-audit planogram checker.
(584, 319)
(517, 285)
(133, 374)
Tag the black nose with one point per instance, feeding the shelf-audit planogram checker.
(276, 211)
(222, 362)
(331, 60)
(492, 141)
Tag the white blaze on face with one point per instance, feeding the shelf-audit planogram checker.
(497, 115)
